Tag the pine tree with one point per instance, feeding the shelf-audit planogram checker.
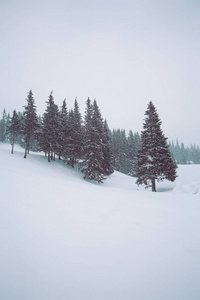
(154, 161)
(13, 129)
(30, 122)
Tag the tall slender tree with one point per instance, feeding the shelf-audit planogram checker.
(49, 136)
(13, 129)
(30, 122)
(154, 161)
(107, 150)
(63, 132)
(93, 160)
(3, 127)
(133, 147)
(78, 132)
(74, 142)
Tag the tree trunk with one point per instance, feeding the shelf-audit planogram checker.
(25, 154)
(49, 159)
(153, 184)
(12, 151)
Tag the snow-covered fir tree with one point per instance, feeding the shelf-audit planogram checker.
(154, 161)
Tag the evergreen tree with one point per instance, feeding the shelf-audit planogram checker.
(133, 147)
(3, 127)
(7, 125)
(154, 161)
(120, 150)
(178, 152)
(107, 150)
(78, 132)
(13, 129)
(195, 154)
(92, 165)
(123, 155)
(63, 131)
(20, 137)
(30, 122)
(74, 142)
(116, 148)
(49, 136)
(182, 155)
(125, 150)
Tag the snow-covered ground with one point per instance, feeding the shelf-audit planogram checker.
(65, 238)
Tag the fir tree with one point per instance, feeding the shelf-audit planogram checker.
(116, 148)
(74, 142)
(49, 136)
(107, 150)
(92, 165)
(154, 161)
(63, 131)
(13, 129)
(78, 132)
(3, 127)
(30, 122)
(7, 125)
(133, 147)
(20, 137)
(120, 150)
(185, 155)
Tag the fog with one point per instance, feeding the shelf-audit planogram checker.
(122, 53)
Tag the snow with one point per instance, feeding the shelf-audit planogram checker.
(66, 238)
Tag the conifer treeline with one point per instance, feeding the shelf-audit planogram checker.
(86, 142)
(185, 155)
(125, 149)
(63, 133)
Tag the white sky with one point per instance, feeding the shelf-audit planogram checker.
(122, 53)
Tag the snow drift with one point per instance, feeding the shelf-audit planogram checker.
(66, 238)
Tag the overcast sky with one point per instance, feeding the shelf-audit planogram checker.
(122, 53)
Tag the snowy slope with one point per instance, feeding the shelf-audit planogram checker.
(65, 238)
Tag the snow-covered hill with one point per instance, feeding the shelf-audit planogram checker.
(68, 239)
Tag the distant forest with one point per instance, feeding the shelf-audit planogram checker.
(125, 148)
(86, 141)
